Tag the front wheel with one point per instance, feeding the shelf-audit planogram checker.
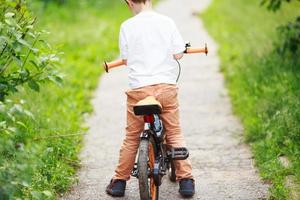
(146, 160)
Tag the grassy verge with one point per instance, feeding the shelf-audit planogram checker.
(40, 161)
(264, 86)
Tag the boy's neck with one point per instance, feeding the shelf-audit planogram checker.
(138, 8)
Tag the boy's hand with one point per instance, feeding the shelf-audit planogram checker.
(178, 56)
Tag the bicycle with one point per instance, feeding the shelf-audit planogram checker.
(155, 159)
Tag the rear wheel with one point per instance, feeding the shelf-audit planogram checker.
(146, 160)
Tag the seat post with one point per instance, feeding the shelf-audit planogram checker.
(149, 119)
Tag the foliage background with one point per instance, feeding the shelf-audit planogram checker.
(263, 81)
(40, 159)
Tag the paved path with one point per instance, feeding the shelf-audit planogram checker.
(223, 166)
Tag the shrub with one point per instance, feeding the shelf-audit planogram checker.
(25, 58)
(291, 32)
(291, 35)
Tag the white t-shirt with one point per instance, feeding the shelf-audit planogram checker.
(148, 42)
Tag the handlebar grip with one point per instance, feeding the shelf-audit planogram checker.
(190, 50)
(109, 65)
(197, 50)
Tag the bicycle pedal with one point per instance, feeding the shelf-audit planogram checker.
(179, 153)
(135, 171)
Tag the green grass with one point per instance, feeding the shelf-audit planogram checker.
(263, 85)
(40, 160)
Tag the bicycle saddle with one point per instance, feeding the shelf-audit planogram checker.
(147, 106)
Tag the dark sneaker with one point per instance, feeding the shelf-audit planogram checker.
(116, 188)
(187, 187)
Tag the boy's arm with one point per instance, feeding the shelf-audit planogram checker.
(177, 43)
(123, 45)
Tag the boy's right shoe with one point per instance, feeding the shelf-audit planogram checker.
(187, 187)
(116, 188)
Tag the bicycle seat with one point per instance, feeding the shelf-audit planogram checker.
(147, 106)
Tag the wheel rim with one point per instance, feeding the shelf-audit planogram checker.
(153, 187)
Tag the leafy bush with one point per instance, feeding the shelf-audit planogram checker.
(25, 60)
(263, 84)
(274, 5)
(24, 56)
(40, 159)
(290, 32)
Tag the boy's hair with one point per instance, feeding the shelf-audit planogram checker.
(140, 1)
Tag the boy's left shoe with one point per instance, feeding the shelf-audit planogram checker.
(116, 188)
(187, 187)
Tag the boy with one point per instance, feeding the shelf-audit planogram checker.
(149, 44)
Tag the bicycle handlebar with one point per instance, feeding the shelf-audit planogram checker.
(109, 65)
(196, 50)
(117, 63)
(190, 50)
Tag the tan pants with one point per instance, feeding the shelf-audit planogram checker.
(166, 94)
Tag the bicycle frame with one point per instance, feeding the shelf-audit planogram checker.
(164, 155)
(161, 158)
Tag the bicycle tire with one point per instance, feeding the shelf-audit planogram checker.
(148, 190)
(172, 171)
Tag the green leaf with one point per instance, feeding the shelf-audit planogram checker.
(34, 85)
(18, 60)
(34, 50)
(17, 108)
(29, 27)
(31, 34)
(24, 42)
(56, 79)
(29, 114)
(45, 43)
(3, 87)
(9, 14)
(25, 184)
(34, 64)
(3, 124)
(3, 40)
(31, 21)
(12, 88)
(10, 116)
(47, 193)
(12, 129)
(24, 73)
(21, 124)
(53, 58)
(36, 195)
(11, 22)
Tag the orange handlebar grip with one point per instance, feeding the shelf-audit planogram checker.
(113, 64)
(190, 50)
